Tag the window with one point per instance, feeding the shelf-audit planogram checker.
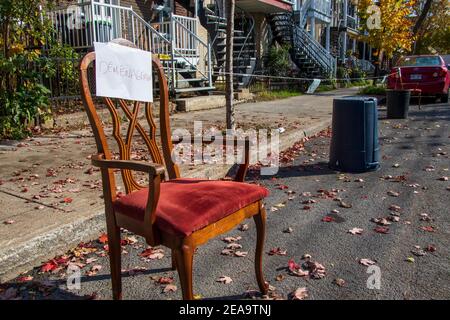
(419, 61)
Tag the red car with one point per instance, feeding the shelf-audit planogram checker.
(425, 74)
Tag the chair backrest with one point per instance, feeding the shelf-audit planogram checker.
(130, 112)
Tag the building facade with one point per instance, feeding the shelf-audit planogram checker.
(189, 35)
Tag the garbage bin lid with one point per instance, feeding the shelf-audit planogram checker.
(356, 99)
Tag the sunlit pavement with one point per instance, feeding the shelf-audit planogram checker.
(310, 212)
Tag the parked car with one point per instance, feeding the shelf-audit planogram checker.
(427, 73)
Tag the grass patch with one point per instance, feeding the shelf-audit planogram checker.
(373, 90)
(266, 95)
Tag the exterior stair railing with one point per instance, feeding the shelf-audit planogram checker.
(175, 41)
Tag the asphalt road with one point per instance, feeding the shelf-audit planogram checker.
(416, 151)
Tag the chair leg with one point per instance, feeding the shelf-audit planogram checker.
(260, 221)
(174, 261)
(114, 249)
(184, 257)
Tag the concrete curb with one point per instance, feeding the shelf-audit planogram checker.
(15, 261)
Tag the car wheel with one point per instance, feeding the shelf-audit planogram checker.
(444, 98)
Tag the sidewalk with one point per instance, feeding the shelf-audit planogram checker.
(50, 195)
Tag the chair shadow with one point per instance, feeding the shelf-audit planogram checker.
(300, 170)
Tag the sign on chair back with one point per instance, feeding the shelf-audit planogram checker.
(179, 213)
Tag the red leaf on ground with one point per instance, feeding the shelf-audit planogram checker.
(67, 200)
(381, 230)
(327, 219)
(103, 238)
(292, 265)
(49, 266)
(428, 229)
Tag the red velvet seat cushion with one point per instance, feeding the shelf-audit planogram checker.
(187, 205)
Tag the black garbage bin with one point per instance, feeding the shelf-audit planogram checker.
(354, 141)
(397, 103)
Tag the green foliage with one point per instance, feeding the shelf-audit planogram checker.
(24, 64)
(279, 63)
(268, 95)
(373, 90)
(434, 35)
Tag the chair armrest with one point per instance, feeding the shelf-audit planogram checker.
(152, 168)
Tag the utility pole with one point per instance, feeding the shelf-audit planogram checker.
(230, 5)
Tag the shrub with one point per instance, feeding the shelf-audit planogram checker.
(24, 63)
(278, 62)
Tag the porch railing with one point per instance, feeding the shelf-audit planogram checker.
(302, 39)
(175, 41)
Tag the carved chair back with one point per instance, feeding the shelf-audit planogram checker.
(122, 111)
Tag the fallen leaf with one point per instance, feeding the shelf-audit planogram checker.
(393, 193)
(224, 279)
(165, 280)
(288, 230)
(366, 262)
(383, 230)
(355, 231)
(428, 229)
(410, 259)
(49, 266)
(277, 251)
(103, 238)
(342, 204)
(170, 288)
(151, 253)
(234, 246)
(243, 227)
(418, 252)
(280, 277)
(24, 278)
(240, 253)
(231, 239)
(395, 208)
(340, 282)
(327, 219)
(431, 248)
(316, 270)
(227, 252)
(299, 294)
(93, 271)
(67, 200)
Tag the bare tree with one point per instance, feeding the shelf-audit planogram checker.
(230, 5)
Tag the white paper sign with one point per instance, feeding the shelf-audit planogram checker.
(123, 72)
(313, 87)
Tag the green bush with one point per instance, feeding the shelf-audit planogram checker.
(24, 64)
(278, 62)
(373, 90)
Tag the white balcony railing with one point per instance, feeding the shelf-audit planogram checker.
(175, 40)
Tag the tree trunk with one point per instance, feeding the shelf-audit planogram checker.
(230, 4)
(420, 21)
(423, 15)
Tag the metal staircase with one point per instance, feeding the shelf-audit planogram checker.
(185, 57)
(244, 52)
(310, 57)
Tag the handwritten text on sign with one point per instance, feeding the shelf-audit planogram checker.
(123, 72)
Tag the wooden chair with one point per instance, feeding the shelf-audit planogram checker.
(180, 214)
